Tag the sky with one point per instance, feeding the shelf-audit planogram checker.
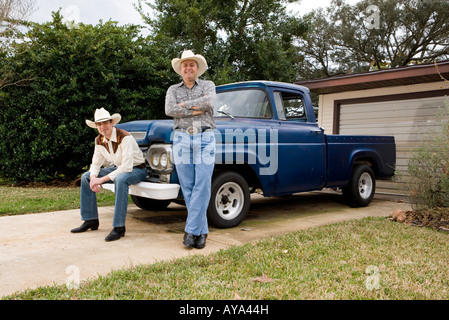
(88, 11)
(122, 11)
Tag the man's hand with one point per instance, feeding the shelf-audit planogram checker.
(196, 110)
(95, 183)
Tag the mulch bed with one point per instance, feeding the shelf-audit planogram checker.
(435, 218)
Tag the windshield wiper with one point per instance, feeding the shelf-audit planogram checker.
(226, 113)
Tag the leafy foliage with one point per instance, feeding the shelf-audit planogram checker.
(429, 167)
(242, 39)
(374, 35)
(71, 72)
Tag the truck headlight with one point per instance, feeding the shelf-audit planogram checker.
(159, 157)
(154, 160)
(163, 160)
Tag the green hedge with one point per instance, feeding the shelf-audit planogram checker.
(62, 75)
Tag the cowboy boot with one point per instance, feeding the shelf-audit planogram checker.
(116, 233)
(88, 224)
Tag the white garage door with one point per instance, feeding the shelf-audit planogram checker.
(406, 120)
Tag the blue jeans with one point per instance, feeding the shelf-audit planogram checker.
(89, 210)
(194, 158)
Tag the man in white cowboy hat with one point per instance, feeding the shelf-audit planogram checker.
(191, 104)
(112, 146)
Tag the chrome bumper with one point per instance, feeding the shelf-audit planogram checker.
(159, 191)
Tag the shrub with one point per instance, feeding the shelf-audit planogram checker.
(71, 72)
(429, 167)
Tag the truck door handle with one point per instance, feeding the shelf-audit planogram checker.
(317, 131)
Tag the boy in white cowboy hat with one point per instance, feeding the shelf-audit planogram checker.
(117, 147)
(191, 104)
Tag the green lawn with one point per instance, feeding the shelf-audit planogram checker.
(21, 200)
(372, 258)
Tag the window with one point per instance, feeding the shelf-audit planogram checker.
(248, 103)
(290, 106)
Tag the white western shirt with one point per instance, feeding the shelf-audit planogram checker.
(121, 150)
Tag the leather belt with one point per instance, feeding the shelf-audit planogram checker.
(140, 166)
(193, 130)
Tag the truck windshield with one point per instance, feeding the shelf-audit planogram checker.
(248, 103)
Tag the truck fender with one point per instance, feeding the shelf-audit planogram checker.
(368, 157)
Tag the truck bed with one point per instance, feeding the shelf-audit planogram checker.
(343, 150)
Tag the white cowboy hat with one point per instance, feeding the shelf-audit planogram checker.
(103, 115)
(189, 55)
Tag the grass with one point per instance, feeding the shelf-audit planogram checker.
(372, 258)
(21, 200)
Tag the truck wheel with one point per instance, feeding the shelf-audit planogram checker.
(150, 204)
(361, 188)
(230, 200)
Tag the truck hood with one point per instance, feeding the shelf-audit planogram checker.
(146, 131)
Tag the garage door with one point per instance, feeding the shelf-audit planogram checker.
(407, 120)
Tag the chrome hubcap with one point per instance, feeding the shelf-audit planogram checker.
(229, 200)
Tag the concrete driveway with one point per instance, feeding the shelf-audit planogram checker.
(38, 249)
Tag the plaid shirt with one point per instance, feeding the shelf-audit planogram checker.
(201, 95)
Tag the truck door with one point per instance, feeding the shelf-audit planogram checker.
(301, 145)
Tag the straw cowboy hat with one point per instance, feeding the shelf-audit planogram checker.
(103, 115)
(189, 55)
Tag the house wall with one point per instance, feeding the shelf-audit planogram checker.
(326, 101)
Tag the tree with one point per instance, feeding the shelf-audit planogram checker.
(374, 35)
(241, 39)
(12, 13)
(43, 135)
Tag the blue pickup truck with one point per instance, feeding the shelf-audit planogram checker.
(267, 141)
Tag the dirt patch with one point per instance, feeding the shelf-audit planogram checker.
(435, 218)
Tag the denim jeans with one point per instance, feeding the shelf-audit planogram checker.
(194, 158)
(89, 210)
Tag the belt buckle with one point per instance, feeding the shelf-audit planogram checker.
(192, 130)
